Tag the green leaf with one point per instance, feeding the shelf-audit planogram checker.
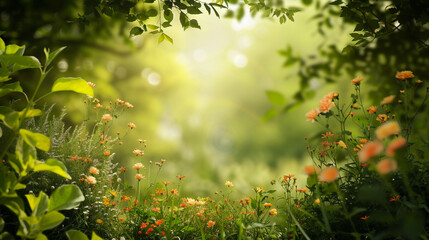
(77, 85)
(275, 97)
(161, 38)
(11, 87)
(168, 38)
(39, 204)
(95, 236)
(76, 235)
(15, 204)
(194, 24)
(168, 15)
(152, 12)
(65, 197)
(193, 10)
(1, 221)
(20, 62)
(51, 220)
(136, 31)
(151, 26)
(51, 56)
(30, 113)
(1, 132)
(269, 114)
(25, 157)
(184, 20)
(2, 46)
(41, 236)
(13, 49)
(6, 236)
(9, 117)
(53, 165)
(37, 140)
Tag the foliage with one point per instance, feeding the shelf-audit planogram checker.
(19, 152)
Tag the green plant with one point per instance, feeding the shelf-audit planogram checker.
(19, 149)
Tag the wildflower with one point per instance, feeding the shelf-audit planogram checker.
(404, 75)
(311, 169)
(180, 177)
(138, 152)
(121, 219)
(259, 189)
(166, 183)
(394, 198)
(149, 231)
(139, 176)
(387, 129)
(91, 179)
(98, 105)
(402, 91)
(386, 166)
(91, 84)
(366, 164)
(273, 212)
(137, 166)
(210, 223)
(159, 222)
(351, 114)
(317, 201)
(106, 117)
(155, 209)
(94, 170)
(107, 153)
(311, 115)
(363, 141)
(372, 109)
(387, 100)
(370, 150)
(119, 101)
(131, 125)
(364, 218)
(123, 169)
(328, 174)
(82, 179)
(356, 80)
(355, 106)
(99, 221)
(73, 158)
(419, 81)
(174, 191)
(332, 95)
(229, 184)
(113, 193)
(325, 104)
(267, 205)
(394, 145)
(342, 144)
(125, 198)
(382, 118)
(129, 105)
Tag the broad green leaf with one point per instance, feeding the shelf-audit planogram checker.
(136, 31)
(50, 56)
(20, 62)
(161, 38)
(39, 204)
(168, 38)
(76, 235)
(20, 186)
(2, 46)
(193, 10)
(25, 157)
(13, 49)
(95, 236)
(65, 197)
(72, 84)
(194, 24)
(51, 220)
(9, 88)
(275, 97)
(168, 15)
(184, 20)
(15, 204)
(31, 113)
(29, 227)
(54, 166)
(41, 236)
(9, 117)
(37, 140)
(151, 26)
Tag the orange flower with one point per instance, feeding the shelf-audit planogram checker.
(155, 209)
(229, 184)
(394, 145)
(364, 218)
(129, 105)
(94, 170)
(328, 174)
(382, 118)
(311, 115)
(210, 223)
(106, 117)
(91, 84)
(386, 166)
(387, 129)
(138, 152)
(121, 219)
(311, 169)
(387, 100)
(317, 201)
(99, 221)
(180, 177)
(342, 144)
(131, 125)
(370, 150)
(372, 109)
(419, 81)
(331, 95)
(267, 205)
(404, 75)
(106, 153)
(139, 176)
(325, 104)
(174, 191)
(356, 80)
(137, 166)
(159, 222)
(91, 179)
(273, 212)
(363, 141)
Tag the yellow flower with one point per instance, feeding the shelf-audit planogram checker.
(342, 144)
(356, 80)
(404, 75)
(387, 100)
(229, 184)
(387, 129)
(113, 193)
(106, 117)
